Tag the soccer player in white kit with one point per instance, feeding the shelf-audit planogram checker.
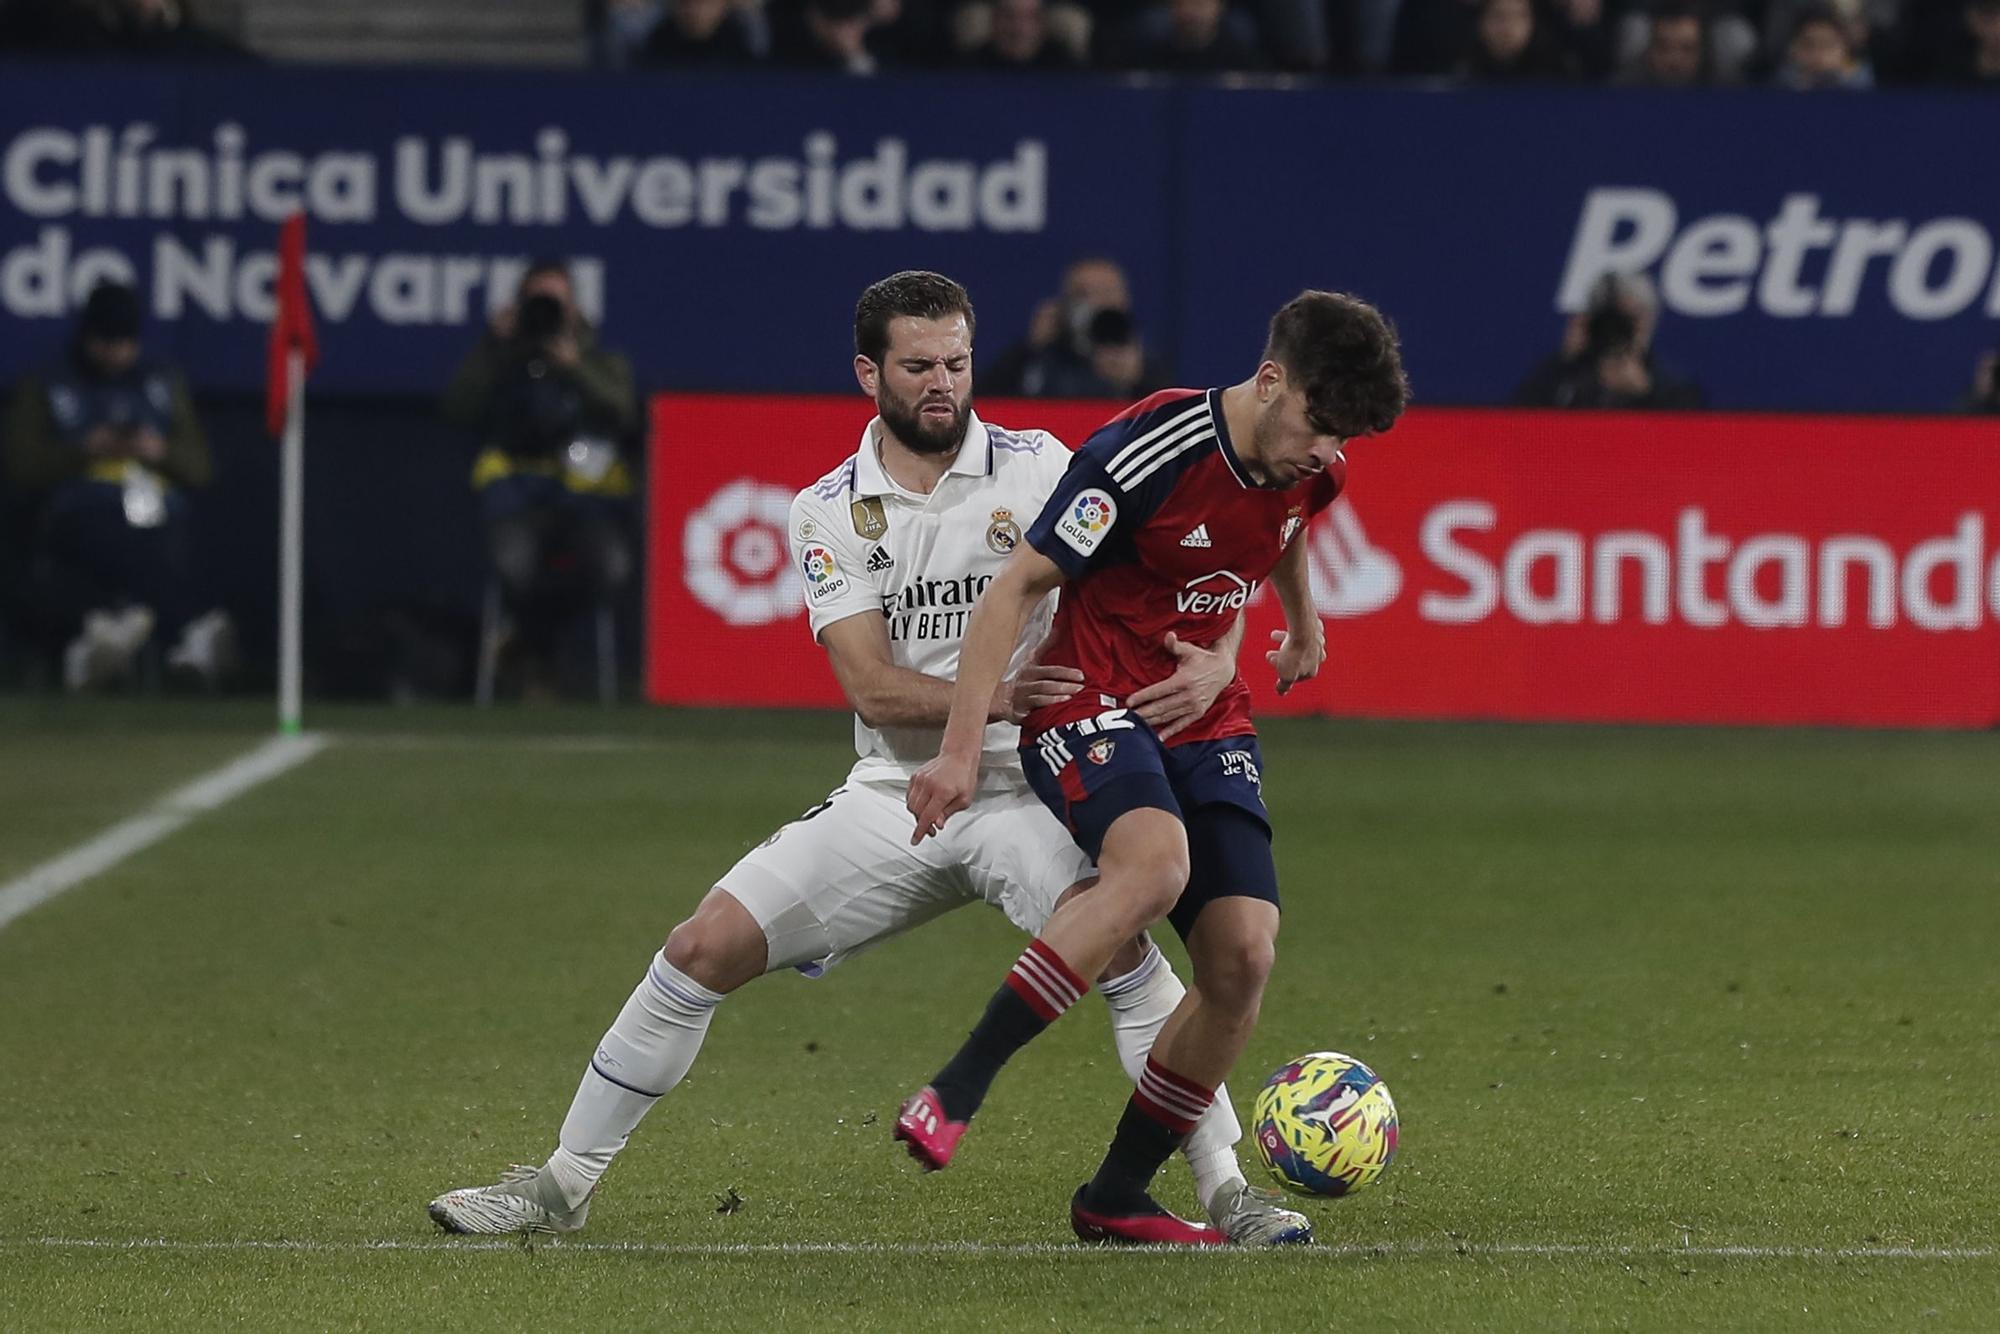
(894, 546)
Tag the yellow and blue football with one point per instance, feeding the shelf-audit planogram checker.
(1325, 1125)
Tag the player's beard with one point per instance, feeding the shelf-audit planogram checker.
(919, 433)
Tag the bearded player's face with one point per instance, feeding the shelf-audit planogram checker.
(923, 385)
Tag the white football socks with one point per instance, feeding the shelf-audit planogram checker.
(1140, 1002)
(643, 1055)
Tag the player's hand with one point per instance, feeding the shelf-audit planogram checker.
(1174, 704)
(940, 790)
(1296, 659)
(1034, 687)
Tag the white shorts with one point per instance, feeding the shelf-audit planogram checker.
(843, 876)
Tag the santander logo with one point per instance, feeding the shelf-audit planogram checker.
(1350, 575)
(1697, 574)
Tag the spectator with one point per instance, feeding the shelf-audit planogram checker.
(1606, 359)
(829, 35)
(1082, 343)
(1506, 48)
(1976, 59)
(1676, 51)
(1192, 37)
(1021, 35)
(1728, 43)
(1824, 53)
(619, 29)
(555, 408)
(1580, 33)
(105, 448)
(699, 33)
(1868, 23)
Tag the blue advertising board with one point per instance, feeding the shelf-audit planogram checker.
(1811, 252)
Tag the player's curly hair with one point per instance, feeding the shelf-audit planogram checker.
(1346, 357)
(918, 292)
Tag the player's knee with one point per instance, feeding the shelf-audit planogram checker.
(715, 951)
(1233, 976)
(1155, 884)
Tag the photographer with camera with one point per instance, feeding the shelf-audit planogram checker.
(1082, 343)
(1606, 359)
(556, 411)
(102, 450)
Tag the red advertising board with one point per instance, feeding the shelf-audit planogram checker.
(1483, 564)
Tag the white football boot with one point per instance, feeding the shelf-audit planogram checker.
(526, 1199)
(1250, 1217)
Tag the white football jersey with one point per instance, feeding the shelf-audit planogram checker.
(862, 544)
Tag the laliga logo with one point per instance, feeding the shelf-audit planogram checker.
(1092, 511)
(733, 554)
(1349, 576)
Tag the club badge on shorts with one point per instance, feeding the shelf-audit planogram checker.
(1003, 534)
(870, 519)
(1099, 751)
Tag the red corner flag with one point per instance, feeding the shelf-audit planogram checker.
(293, 325)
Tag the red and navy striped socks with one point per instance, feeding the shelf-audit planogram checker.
(1162, 1111)
(1038, 989)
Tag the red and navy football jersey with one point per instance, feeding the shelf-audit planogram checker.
(1159, 528)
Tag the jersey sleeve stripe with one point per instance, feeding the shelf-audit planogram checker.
(1164, 447)
(1175, 422)
(1161, 460)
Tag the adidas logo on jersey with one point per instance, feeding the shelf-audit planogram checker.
(1197, 538)
(880, 561)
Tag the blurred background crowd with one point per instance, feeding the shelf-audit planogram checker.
(1802, 44)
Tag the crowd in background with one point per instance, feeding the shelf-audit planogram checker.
(1800, 44)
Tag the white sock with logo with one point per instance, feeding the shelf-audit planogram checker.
(1140, 1002)
(640, 1058)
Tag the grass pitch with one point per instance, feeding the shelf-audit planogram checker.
(1688, 1030)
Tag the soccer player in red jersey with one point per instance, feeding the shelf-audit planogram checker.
(1165, 523)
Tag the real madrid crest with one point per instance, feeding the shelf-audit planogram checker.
(1003, 534)
(1099, 751)
(870, 519)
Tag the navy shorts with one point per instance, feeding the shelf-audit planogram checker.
(1094, 770)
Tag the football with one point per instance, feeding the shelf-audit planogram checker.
(1325, 1125)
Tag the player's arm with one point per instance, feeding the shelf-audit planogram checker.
(885, 695)
(945, 785)
(1302, 643)
(1200, 674)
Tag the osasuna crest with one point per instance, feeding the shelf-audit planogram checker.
(870, 520)
(1099, 751)
(1003, 534)
(1292, 522)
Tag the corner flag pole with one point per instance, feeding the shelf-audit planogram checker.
(291, 546)
(293, 351)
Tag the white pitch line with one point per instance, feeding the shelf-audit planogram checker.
(725, 1250)
(177, 809)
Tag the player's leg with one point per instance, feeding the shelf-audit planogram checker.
(837, 879)
(1142, 866)
(653, 1042)
(1117, 802)
(1230, 921)
(1019, 858)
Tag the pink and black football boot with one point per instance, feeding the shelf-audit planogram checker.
(931, 1137)
(1150, 1226)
